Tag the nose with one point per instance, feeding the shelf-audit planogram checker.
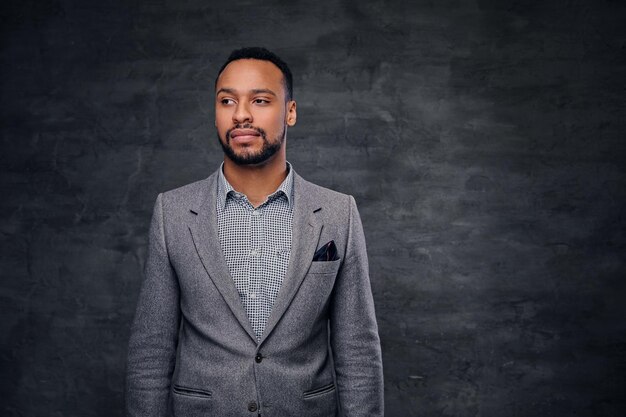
(242, 113)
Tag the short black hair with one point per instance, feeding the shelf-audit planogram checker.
(262, 54)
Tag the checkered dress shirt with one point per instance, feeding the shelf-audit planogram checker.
(256, 245)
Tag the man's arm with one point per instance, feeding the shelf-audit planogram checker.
(154, 333)
(354, 332)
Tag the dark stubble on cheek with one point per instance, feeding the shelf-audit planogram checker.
(267, 150)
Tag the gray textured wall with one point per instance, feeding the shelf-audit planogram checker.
(483, 141)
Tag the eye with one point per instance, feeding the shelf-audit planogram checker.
(227, 101)
(260, 101)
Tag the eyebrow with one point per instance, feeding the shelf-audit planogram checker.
(253, 91)
(263, 90)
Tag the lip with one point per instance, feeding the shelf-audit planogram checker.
(243, 133)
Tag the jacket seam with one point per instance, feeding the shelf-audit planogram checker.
(167, 251)
(349, 259)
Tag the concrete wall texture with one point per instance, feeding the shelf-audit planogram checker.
(483, 141)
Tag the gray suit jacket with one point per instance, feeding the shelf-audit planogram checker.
(192, 350)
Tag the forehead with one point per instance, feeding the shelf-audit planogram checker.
(249, 74)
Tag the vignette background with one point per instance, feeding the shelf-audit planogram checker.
(483, 142)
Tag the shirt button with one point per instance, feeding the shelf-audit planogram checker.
(252, 407)
(253, 295)
(254, 252)
(256, 213)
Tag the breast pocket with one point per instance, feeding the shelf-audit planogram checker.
(325, 267)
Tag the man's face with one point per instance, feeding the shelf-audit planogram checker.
(251, 114)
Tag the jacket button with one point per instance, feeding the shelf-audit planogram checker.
(258, 358)
(252, 406)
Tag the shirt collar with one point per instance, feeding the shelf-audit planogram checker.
(224, 189)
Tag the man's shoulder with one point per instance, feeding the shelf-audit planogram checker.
(197, 191)
(194, 192)
(321, 195)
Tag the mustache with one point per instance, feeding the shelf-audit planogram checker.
(246, 126)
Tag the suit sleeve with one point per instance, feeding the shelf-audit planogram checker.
(354, 333)
(154, 332)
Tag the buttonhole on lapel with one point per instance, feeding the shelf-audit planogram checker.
(316, 210)
(193, 212)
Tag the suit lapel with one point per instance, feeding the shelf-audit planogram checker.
(203, 228)
(305, 236)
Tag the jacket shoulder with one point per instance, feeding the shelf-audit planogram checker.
(323, 196)
(191, 194)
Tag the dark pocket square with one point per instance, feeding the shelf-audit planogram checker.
(328, 252)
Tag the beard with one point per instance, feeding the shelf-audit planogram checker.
(247, 157)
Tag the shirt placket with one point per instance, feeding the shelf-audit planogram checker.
(255, 291)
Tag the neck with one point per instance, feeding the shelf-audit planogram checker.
(257, 181)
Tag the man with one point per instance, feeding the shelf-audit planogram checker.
(256, 299)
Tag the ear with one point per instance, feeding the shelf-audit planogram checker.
(292, 114)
